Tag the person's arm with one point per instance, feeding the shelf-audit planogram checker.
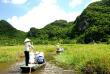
(31, 46)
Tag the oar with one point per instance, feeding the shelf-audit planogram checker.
(31, 63)
(30, 70)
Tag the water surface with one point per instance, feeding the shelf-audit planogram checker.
(49, 68)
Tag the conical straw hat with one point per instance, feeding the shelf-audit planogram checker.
(26, 40)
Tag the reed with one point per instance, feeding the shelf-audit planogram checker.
(15, 53)
(45, 48)
(86, 58)
(10, 53)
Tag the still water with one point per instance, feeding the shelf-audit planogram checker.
(49, 68)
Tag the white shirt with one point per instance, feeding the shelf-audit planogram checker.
(27, 46)
(57, 46)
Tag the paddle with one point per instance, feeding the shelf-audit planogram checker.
(31, 63)
(30, 70)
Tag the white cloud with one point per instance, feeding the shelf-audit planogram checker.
(74, 3)
(94, 0)
(15, 1)
(18, 1)
(5, 1)
(91, 2)
(71, 16)
(49, 1)
(41, 15)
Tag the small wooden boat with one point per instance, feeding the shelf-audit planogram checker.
(58, 51)
(31, 67)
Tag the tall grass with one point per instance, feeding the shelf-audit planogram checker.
(45, 48)
(13, 53)
(87, 58)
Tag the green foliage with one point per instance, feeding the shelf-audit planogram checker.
(91, 59)
(106, 2)
(9, 35)
(92, 26)
(93, 23)
(52, 33)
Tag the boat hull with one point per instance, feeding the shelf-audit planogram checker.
(58, 51)
(31, 67)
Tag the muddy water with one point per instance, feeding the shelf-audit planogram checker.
(49, 68)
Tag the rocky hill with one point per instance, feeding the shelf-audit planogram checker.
(58, 30)
(93, 25)
(9, 35)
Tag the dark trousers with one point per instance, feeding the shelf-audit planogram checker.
(26, 57)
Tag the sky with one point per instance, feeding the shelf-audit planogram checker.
(24, 14)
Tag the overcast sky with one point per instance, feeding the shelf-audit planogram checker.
(24, 14)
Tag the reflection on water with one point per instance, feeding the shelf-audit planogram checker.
(52, 69)
(49, 68)
(11, 68)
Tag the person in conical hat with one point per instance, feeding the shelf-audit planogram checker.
(27, 40)
(26, 51)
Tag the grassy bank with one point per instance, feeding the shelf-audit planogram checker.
(86, 58)
(14, 53)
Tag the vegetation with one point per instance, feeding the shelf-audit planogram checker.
(53, 33)
(10, 36)
(15, 53)
(87, 58)
(92, 26)
(11, 53)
